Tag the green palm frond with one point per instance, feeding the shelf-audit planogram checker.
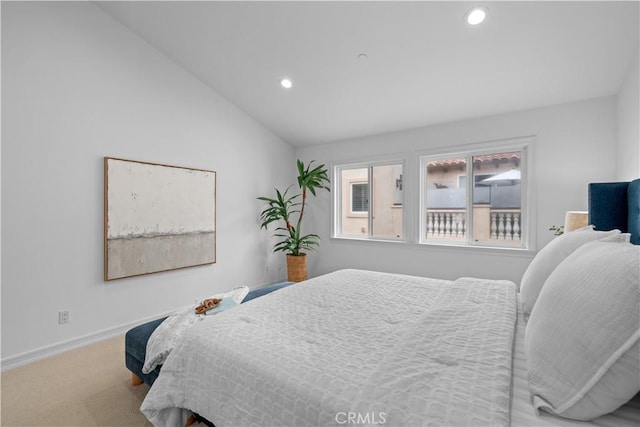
(312, 179)
(279, 208)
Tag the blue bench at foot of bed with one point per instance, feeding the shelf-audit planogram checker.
(135, 341)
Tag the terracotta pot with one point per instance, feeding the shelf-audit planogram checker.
(297, 267)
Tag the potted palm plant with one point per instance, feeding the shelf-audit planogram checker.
(288, 210)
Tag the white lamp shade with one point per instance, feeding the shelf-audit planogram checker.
(574, 220)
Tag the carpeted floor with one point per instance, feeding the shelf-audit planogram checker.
(89, 386)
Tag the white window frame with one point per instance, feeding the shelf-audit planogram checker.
(337, 207)
(527, 219)
(413, 194)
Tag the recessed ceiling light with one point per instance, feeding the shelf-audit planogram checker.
(476, 15)
(286, 83)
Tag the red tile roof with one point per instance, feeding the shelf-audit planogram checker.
(484, 158)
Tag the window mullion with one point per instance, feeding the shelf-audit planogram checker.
(469, 199)
(370, 213)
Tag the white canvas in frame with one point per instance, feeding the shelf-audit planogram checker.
(157, 217)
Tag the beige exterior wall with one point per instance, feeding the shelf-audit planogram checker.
(353, 224)
(481, 223)
(387, 217)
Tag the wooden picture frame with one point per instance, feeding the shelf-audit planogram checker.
(157, 217)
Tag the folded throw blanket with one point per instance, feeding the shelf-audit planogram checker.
(163, 339)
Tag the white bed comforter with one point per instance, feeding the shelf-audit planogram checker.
(371, 347)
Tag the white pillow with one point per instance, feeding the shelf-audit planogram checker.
(549, 257)
(582, 338)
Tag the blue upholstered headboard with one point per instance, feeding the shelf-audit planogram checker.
(616, 205)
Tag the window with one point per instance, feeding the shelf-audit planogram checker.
(360, 197)
(467, 196)
(486, 210)
(369, 201)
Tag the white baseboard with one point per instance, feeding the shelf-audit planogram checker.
(31, 356)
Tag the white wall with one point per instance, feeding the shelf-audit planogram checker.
(574, 145)
(628, 150)
(78, 86)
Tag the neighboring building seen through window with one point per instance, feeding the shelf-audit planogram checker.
(369, 211)
(474, 197)
(486, 212)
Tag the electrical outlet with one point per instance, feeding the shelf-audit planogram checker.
(63, 317)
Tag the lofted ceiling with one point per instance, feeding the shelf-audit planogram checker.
(423, 64)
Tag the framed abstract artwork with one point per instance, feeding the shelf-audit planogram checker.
(157, 217)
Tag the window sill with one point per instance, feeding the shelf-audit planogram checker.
(502, 251)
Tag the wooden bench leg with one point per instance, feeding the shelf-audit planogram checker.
(136, 380)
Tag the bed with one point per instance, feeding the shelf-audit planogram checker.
(370, 348)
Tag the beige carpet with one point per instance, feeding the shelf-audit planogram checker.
(89, 386)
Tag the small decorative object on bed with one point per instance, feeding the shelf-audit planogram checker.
(207, 304)
(156, 217)
(290, 210)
